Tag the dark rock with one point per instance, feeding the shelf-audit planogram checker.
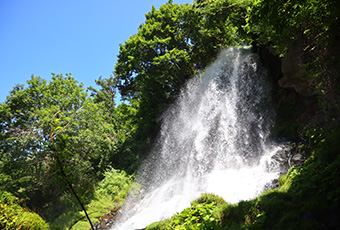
(294, 72)
(273, 185)
(290, 155)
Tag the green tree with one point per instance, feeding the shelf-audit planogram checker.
(220, 24)
(117, 123)
(153, 64)
(106, 94)
(170, 46)
(279, 23)
(25, 162)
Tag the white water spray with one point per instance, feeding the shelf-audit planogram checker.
(214, 139)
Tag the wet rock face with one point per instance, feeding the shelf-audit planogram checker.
(293, 92)
(294, 72)
(291, 154)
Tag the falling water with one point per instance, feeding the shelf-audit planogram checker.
(214, 139)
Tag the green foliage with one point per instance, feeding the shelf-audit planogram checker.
(75, 218)
(116, 184)
(13, 216)
(329, 144)
(258, 223)
(153, 65)
(171, 45)
(240, 215)
(198, 216)
(282, 180)
(110, 193)
(129, 146)
(106, 94)
(58, 146)
(114, 131)
(28, 166)
(280, 22)
(204, 213)
(223, 22)
(159, 45)
(317, 179)
(158, 225)
(208, 198)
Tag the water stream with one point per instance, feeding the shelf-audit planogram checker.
(214, 139)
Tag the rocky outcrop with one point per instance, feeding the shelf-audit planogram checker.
(294, 93)
(290, 155)
(294, 73)
(106, 221)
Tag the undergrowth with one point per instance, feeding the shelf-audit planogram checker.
(14, 216)
(110, 193)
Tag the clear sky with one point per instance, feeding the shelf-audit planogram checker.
(81, 37)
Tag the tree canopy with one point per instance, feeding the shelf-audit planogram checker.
(171, 45)
(27, 162)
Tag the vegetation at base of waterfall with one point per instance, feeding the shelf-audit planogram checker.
(106, 142)
(202, 214)
(308, 198)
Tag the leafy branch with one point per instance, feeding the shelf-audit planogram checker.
(58, 148)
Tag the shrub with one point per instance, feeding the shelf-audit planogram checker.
(115, 183)
(204, 213)
(198, 216)
(157, 225)
(208, 198)
(13, 216)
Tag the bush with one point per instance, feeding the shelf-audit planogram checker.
(204, 213)
(208, 198)
(13, 216)
(198, 216)
(157, 225)
(116, 183)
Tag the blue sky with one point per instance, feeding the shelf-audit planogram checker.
(81, 37)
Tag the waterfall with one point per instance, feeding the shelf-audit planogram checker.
(214, 139)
